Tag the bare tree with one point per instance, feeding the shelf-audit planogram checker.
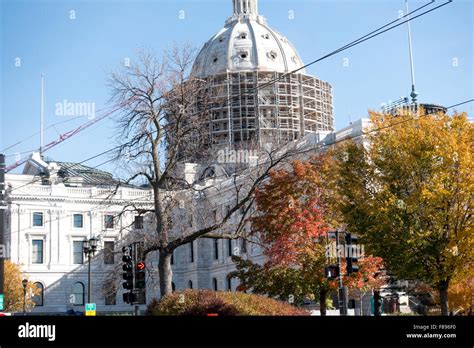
(165, 122)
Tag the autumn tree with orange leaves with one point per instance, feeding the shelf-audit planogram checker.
(292, 224)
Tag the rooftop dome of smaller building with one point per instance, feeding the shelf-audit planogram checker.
(246, 43)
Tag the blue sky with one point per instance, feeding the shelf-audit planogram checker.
(76, 55)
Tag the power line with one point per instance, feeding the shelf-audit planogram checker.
(35, 134)
(75, 165)
(321, 146)
(48, 127)
(360, 40)
(364, 38)
(464, 102)
(141, 198)
(353, 43)
(75, 131)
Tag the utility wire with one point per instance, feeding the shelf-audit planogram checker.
(465, 102)
(48, 127)
(321, 146)
(362, 39)
(316, 148)
(353, 43)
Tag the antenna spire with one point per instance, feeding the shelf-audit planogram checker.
(414, 93)
(42, 116)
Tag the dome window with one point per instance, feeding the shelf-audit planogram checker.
(243, 36)
(266, 36)
(244, 55)
(272, 55)
(221, 39)
(215, 59)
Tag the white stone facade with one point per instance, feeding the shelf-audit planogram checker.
(44, 222)
(58, 204)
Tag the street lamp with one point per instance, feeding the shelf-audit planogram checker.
(24, 282)
(89, 247)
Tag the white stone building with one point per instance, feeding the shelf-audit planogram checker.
(209, 262)
(52, 208)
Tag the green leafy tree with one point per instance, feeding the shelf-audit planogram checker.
(409, 193)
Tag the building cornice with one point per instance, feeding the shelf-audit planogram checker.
(12, 199)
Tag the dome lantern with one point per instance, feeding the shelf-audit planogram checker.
(243, 7)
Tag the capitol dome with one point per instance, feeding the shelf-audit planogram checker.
(252, 96)
(246, 43)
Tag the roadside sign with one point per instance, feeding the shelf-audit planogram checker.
(2, 298)
(90, 309)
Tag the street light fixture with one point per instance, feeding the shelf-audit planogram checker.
(24, 282)
(89, 248)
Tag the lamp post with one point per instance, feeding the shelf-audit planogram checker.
(89, 247)
(24, 282)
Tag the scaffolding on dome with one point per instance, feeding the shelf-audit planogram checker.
(287, 109)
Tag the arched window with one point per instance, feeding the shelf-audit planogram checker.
(229, 283)
(78, 294)
(214, 284)
(38, 298)
(190, 284)
(173, 286)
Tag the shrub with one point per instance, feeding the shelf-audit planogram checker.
(203, 302)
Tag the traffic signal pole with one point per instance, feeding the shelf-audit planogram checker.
(2, 223)
(133, 276)
(135, 262)
(342, 289)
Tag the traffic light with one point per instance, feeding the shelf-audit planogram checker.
(127, 268)
(352, 253)
(129, 297)
(331, 271)
(140, 276)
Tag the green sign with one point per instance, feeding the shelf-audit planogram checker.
(90, 309)
(2, 297)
